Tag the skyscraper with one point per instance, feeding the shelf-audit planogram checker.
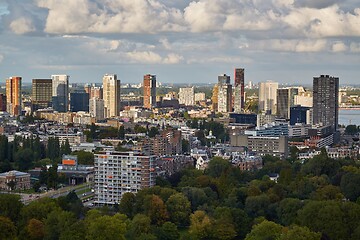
(267, 97)
(96, 108)
(224, 94)
(149, 91)
(79, 101)
(325, 101)
(13, 96)
(239, 95)
(41, 93)
(285, 100)
(60, 92)
(111, 95)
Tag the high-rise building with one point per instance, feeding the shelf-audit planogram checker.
(325, 101)
(298, 114)
(214, 97)
(285, 100)
(79, 101)
(239, 95)
(199, 97)
(268, 97)
(13, 96)
(41, 93)
(94, 91)
(119, 172)
(96, 108)
(111, 95)
(2, 102)
(60, 92)
(149, 87)
(224, 94)
(187, 96)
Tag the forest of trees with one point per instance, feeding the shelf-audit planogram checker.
(318, 199)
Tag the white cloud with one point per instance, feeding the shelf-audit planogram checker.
(22, 26)
(294, 45)
(144, 57)
(339, 47)
(1, 58)
(173, 58)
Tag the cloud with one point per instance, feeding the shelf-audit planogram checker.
(292, 45)
(339, 47)
(315, 4)
(173, 58)
(122, 16)
(1, 58)
(22, 26)
(144, 57)
(355, 47)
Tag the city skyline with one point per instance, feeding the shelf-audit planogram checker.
(286, 41)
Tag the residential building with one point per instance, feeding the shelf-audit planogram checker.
(268, 97)
(41, 93)
(111, 95)
(60, 92)
(239, 95)
(187, 96)
(14, 180)
(214, 98)
(79, 101)
(149, 88)
(274, 146)
(224, 94)
(325, 101)
(96, 108)
(119, 172)
(199, 97)
(304, 99)
(94, 91)
(13, 96)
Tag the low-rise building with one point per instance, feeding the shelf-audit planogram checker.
(14, 180)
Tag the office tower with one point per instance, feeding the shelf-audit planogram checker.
(41, 93)
(119, 172)
(149, 87)
(224, 94)
(239, 95)
(325, 101)
(60, 92)
(2, 102)
(267, 97)
(111, 95)
(298, 114)
(285, 100)
(187, 96)
(79, 101)
(304, 99)
(96, 108)
(13, 96)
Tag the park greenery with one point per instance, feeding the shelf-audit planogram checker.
(317, 199)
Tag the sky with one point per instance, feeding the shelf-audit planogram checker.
(180, 41)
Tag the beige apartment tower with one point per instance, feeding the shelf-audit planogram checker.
(41, 93)
(111, 95)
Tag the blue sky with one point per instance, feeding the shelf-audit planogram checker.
(180, 41)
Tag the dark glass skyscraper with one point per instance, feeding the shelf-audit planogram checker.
(239, 98)
(79, 101)
(325, 101)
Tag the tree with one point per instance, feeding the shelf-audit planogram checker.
(121, 132)
(185, 146)
(155, 208)
(127, 204)
(168, 231)
(107, 227)
(35, 229)
(65, 148)
(178, 207)
(287, 210)
(217, 166)
(349, 185)
(265, 230)
(56, 222)
(52, 180)
(200, 225)
(153, 132)
(299, 233)
(141, 224)
(351, 129)
(257, 206)
(8, 229)
(24, 159)
(85, 158)
(53, 148)
(10, 206)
